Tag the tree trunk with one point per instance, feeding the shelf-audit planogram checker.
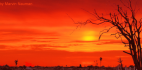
(136, 62)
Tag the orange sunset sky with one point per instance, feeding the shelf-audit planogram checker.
(44, 34)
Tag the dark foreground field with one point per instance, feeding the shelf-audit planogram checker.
(64, 68)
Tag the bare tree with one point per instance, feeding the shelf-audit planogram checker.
(120, 61)
(100, 61)
(129, 27)
(16, 61)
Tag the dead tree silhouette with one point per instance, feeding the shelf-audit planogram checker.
(16, 61)
(129, 28)
(100, 61)
(120, 61)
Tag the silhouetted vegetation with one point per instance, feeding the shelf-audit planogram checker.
(100, 61)
(80, 66)
(120, 61)
(91, 67)
(16, 61)
(127, 26)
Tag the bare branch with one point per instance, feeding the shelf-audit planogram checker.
(124, 4)
(71, 18)
(127, 52)
(105, 32)
(89, 21)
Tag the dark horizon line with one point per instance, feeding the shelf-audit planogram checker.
(63, 66)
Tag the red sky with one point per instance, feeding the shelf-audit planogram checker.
(44, 34)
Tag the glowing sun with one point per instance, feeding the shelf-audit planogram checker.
(89, 36)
